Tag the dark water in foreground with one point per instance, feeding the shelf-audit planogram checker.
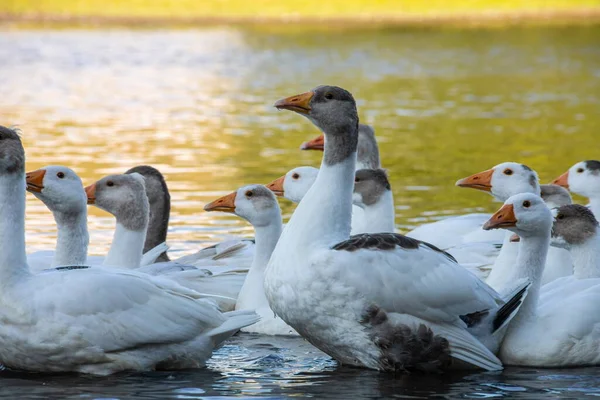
(258, 367)
(198, 105)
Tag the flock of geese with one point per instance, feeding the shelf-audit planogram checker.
(519, 287)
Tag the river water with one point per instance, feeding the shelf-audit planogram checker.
(197, 104)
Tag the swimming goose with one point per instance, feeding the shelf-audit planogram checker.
(372, 193)
(257, 205)
(583, 178)
(367, 155)
(61, 190)
(93, 320)
(124, 196)
(371, 300)
(503, 181)
(234, 253)
(563, 333)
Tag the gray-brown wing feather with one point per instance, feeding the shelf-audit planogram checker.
(385, 241)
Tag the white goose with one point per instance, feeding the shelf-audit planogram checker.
(257, 205)
(91, 320)
(124, 197)
(562, 333)
(61, 190)
(503, 181)
(583, 178)
(374, 301)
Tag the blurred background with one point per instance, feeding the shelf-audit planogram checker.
(451, 87)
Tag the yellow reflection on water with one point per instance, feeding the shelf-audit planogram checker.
(197, 104)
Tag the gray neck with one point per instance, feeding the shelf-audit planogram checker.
(158, 225)
(73, 239)
(586, 258)
(13, 259)
(340, 146)
(367, 152)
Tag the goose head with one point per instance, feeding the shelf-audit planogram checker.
(574, 224)
(59, 188)
(582, 178)
(555, 196)
(504, 180)
(333, 110)
(12, 154)
(525, 214)
(370, 185)
(124, 196)
(295, 184)
(254, 203)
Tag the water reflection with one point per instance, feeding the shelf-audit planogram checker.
(198, 105)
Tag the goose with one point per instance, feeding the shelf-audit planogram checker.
(503, 181)
(562, 333)
(372, 193)
(380, 301)
(367, 154)
(555, 196)
(93, 320)
(583, 178)
(237, 253)
(61, 190)
(124, 196)
(257, 205)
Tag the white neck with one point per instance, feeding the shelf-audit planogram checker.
(379, 217)
(126, 248)
(324, 215)
(586, 258)
(499, 277)
(595, 206)
(13, 259)
(530, 265)
(252, 295)
(73, 239)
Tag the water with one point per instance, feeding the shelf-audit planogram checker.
(197, 104)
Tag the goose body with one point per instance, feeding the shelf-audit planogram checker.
(375, 301)
(51, 320)
(560, 333)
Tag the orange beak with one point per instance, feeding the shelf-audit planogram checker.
(35, 180)
(503, 218)
(277, 186)
(317, 143)
(299, 103)
(225, 204)
(515, 238)
(90, 191)
(479, 181)
(562, 180)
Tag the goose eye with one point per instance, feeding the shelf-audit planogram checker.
(560, 216)
(508, 171)
(295, 176)
(110, 184)
(357, 179)
(579, 170)
(60, 175)
(526, 203)
(329, 96)
(249, 193)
